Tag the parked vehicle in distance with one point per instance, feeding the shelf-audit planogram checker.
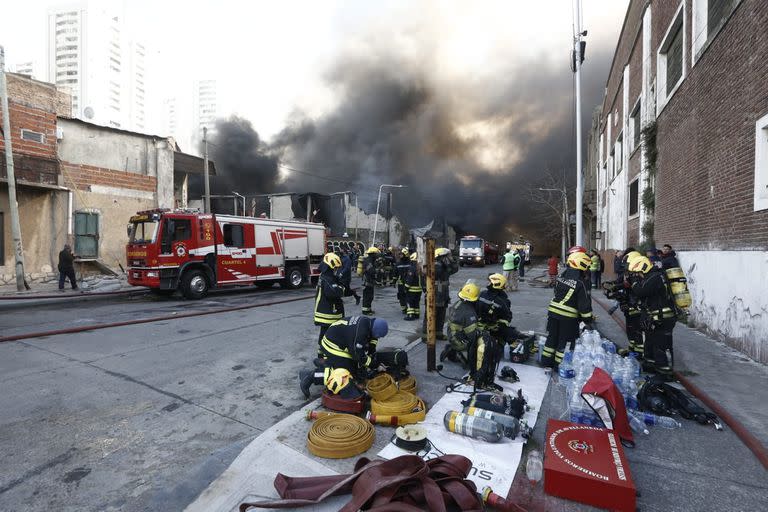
(474, 250)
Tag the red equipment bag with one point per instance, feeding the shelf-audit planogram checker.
(602, 395)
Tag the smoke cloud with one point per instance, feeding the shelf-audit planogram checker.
(467, 147)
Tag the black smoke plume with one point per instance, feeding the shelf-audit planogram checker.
(468, 150)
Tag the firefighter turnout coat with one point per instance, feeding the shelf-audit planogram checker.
(571, 298)
(329, 306)
(349, 344)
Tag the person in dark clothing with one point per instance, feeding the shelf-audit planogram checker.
(570, 305)
(659, 316)
(668, 258)
(370, 273)
(329, 306)
(413, 289)
(66, 267)
(521, 268)
(349, 343)
(445, 266)
(618, 266)
(494, 311)
(653, 255)
(403, 264)
(345, 277)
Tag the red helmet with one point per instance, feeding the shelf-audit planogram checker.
(576, 248)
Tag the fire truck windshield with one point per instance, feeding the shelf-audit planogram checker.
(144, 232)
(471, 244)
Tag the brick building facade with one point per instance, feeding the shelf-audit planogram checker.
(694, 72)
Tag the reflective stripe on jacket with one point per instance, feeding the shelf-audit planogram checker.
(571, 299)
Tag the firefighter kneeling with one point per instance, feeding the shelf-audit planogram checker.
(348, 344)
(658, 315)
(570, 305)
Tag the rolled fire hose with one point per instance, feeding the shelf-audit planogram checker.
(402, 408)
(382, 387)
(407, 384)
(340, 436)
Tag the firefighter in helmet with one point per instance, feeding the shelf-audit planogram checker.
(329, 303)
(369, 278)
(631, 310)
(403, 264)
(413, 289)
(570, 305)
(462, 324)
(445, 267)
(658, 315)
(348, 344)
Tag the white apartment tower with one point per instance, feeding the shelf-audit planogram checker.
(90, 56)
(206, 105)
(26, 68)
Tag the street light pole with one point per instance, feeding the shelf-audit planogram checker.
(577, 66)
(206, 179)
(376, 220)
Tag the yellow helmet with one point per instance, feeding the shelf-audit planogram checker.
(632, 255)
(579, 261)
(337, 380)
(640, 264)
(373, 250)
(497, 281)
(332, 260)
(415, 256)
(405, 252)
(469, 292)
(441, 251)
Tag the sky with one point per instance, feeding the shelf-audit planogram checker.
(455, 91)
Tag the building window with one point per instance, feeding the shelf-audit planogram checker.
(87, 235)
(619, 152)
(709, 17)
(612, 162)
(233, 235)
(635, 126)
(32, 136)
(670, 69)
(761, 164)
(634, 198)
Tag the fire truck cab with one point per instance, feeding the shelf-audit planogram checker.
(194, 252)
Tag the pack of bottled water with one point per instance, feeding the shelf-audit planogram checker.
(593, 351)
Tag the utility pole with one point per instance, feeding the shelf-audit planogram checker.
(430, 309)
(207, 197)
(579, 56)
(18, 248)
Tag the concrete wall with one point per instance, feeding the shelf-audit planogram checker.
(42, 216)
(729, 297)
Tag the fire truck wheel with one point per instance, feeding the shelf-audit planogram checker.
(294, 278)
(194, 284)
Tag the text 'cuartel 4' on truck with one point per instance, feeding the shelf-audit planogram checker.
(193, 252)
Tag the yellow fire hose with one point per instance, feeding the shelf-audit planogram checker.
(339, 436)
(390, 406)
(407, 384)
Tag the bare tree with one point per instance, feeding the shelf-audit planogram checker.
(549, 198)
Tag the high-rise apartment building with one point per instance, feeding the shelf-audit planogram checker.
(206, 105)
(91, 57)
(26, 68)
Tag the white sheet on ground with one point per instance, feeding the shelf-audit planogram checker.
(494, 464)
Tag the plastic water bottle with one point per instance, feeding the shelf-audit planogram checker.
(576, 406)
(659, 421)
(534, 467)
(565, 370)
(473, 426)
(634, 364)
(637, 425)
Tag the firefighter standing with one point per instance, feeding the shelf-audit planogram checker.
(349, 344)
(329, 306)
(403, 264)
(570, 305)
(631, 310)
(445, 267)
(413, 289)
(658, 315)
(462, 324)
(369, 272)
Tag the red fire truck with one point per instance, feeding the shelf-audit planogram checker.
(193, 252)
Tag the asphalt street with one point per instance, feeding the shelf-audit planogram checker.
(145, 417)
